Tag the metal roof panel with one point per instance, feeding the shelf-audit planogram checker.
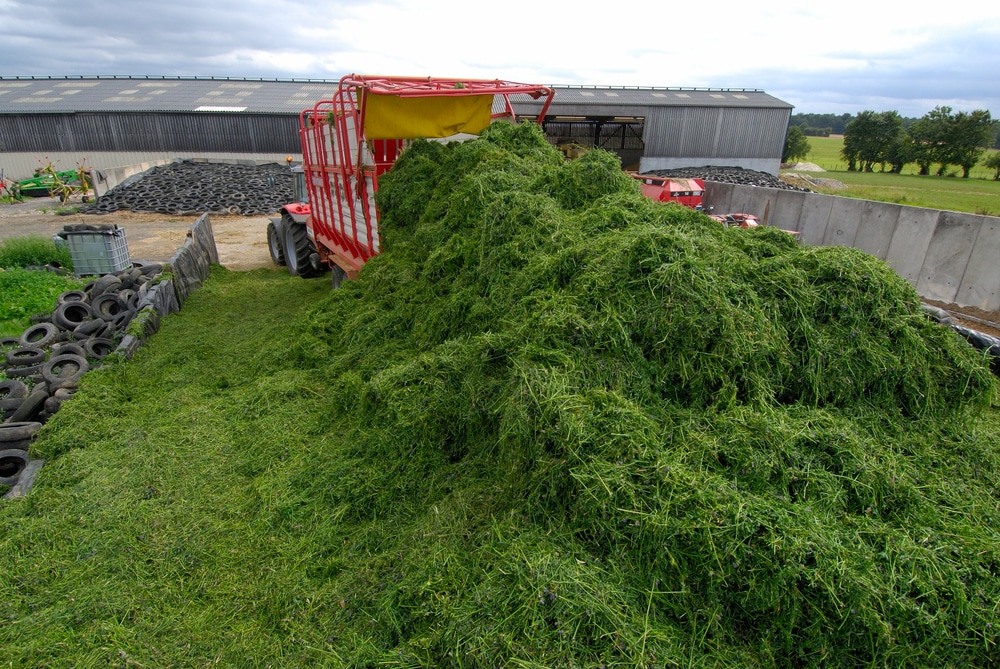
(290, 96)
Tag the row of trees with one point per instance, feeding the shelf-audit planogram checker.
(821, 125)
(939, 137)
(824, 125)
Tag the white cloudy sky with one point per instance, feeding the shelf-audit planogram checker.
(848, 57)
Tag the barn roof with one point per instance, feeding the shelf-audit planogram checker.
(290, 96)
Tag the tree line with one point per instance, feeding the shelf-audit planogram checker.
(940, 137)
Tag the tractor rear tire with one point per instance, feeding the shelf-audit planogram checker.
(298, 248)
(275, 241)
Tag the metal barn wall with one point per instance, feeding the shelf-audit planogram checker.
(748, 137)
(150, 132)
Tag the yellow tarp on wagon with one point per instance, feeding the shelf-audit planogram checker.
(395, 117)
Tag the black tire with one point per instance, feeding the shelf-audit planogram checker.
(69, 315)
(25, 356)
(72, 296)
(12, 463)
(99, 348)
(22, 445)
(275, 242)
(107, 306)
(8, 407)
(18, 431)
(109, 283)
(30, 407)
(7, 343)
(65, 367)
(40, 335)
(88, 328)
(65, 384)
(27, 372)
(298, 248)
(75, 349)
(13, 390)
(52, 405)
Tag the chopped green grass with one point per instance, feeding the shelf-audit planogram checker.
(553, 425)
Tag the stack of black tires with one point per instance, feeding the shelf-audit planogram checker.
(44, 365)
(189, 188)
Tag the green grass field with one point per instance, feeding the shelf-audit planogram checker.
(978, 194)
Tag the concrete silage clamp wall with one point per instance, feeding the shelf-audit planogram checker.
(946, 256)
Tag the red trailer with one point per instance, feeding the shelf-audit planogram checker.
(349, 141)
(687, 192)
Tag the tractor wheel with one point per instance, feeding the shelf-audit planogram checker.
(275, 242)
(298, 248)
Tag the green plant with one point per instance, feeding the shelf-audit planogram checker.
(33, 250)
(28, 292)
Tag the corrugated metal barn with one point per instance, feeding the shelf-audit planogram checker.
(662, 128)
(114, 121)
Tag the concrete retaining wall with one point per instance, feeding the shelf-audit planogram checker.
(947, 256)
(106, 179)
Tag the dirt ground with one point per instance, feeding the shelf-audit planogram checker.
(240, 240)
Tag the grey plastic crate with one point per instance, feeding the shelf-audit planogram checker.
(98, 251)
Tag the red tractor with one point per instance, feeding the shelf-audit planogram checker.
(351, 140)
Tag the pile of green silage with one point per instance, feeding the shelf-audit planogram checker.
(579, 428)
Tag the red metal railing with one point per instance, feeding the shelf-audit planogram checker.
(342, 165)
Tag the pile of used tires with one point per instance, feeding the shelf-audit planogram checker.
(189, 188)
(727, 175)
(44, 365)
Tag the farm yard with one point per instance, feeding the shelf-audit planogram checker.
(553, 424)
